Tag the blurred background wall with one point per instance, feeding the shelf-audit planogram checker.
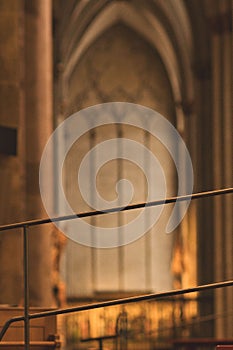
(57, 57)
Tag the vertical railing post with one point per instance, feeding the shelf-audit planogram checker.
(26, 289)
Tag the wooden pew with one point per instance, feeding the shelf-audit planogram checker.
(195, 343)
(42, 330)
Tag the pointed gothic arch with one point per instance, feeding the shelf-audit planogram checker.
(164, 26)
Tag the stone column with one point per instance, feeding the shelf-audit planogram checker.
(222, 148)
(11, 166)
(38, 121)
(201, 143)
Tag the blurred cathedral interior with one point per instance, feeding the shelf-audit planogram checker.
(174, 57)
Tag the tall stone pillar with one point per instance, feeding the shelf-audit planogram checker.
(11, 165)
(222, 148)
(38, 121)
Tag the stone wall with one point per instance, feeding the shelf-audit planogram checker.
(12, 171)
(26, 105)
(119, 66)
